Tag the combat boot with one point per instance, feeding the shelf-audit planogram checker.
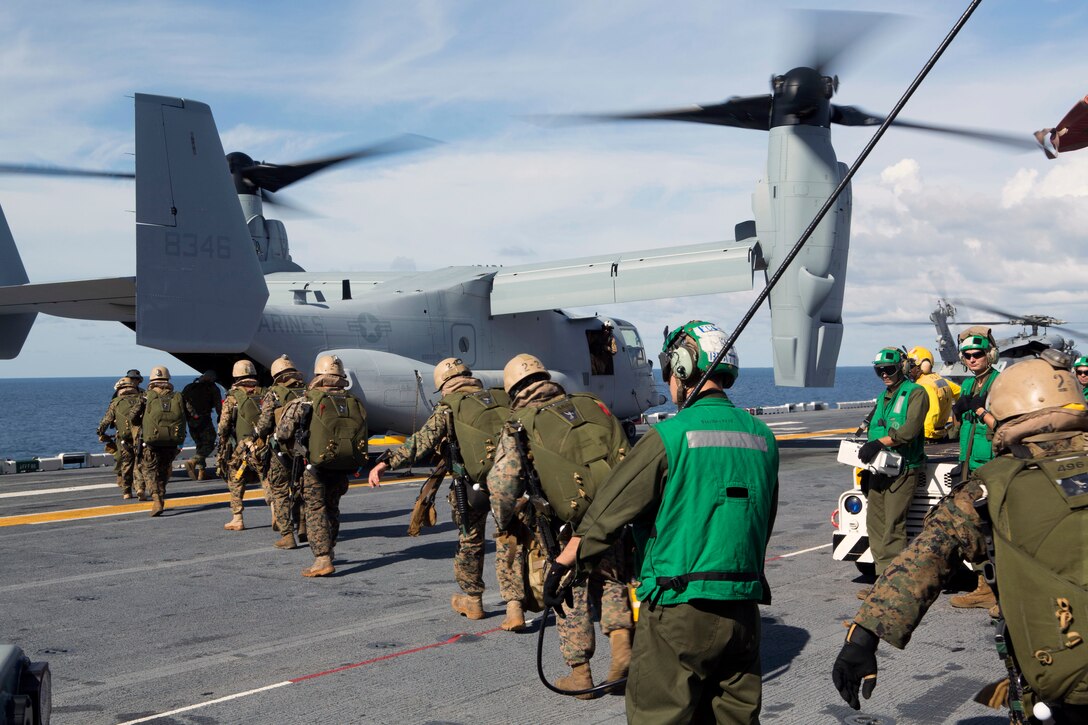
(468, 605)
(287, 541)
(864, 592)
(190, 468)
(515, 619)
(619, 641)
(995, 611)
(580, 678)
(201, 473)
(982, 598)
(143, 495)
(127, 493)
(157, 505)
(235, 523)
(322, 566)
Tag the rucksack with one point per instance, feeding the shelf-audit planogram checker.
(477, 419)
(338, 435)
(247, 412)
(164, 419)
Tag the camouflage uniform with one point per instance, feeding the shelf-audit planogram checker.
(156, 462)
(321, 488)
(286, 500)
(229, 458)
(128, 474)
(606, 588)
(201, 398)
(468, 562)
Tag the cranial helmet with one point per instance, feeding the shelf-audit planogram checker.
(920, 355)
(329, 365)
(979, 337)
(244, 369)
(1081, 362)
(1031, 386)
(519, 369)
(451, 367)
(689, 350)
(160, 374)
(893, 356)
(281, 364)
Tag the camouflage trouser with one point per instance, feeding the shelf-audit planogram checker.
(125, 467)
(283, 499)
(202, 432)
(468, 562)
(510, 562)
(321, 492)
(157, 464)
(237, 486)
(605, 591)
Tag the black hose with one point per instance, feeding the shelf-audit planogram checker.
(600, 689)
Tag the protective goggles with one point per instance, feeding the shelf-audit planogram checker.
(973, 354)
(882, 370)
(1081, 371)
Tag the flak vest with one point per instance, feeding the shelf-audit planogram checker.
(709, 538)
(972, 429)
(892, 414)
(477, 420)
(1039, 517)
(575, 443)
(247, 412)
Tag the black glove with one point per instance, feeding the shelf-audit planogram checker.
(856, 666)
(556, 592)
(868, 451)
(966, 404)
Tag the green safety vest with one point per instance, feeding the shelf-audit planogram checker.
(575, 442)
(1039, 513)
(892, 414)
(338, 434)
(285, 395)
(247, 412)
(973, 430)
(164, 419)
(709, 538)
(477, 419)
(121, 410)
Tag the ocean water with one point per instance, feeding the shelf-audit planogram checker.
(47, 416)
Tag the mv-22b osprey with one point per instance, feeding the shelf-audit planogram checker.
(215, 280)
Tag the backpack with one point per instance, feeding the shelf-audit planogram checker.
(338, 433)
(121, 410)
(285, 395)
(247, 412)
(164, 419)
(477, 419)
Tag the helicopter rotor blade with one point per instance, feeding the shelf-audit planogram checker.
(834, 34)
(274, 177)
(278, 200)
(752, 112)
(33, 170)
(854, 116)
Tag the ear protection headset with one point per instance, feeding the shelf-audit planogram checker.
(682, 362)
(991, 350)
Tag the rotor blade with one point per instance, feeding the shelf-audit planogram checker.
(59, 171)
(274, 177)
(986, 307)
(854, 116)
(1071, 331)
(283, 203)
(832, 35)
(752, 112)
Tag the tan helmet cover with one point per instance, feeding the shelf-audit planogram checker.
(451, 367)
(1031, 386)
(244, 369)
(125, 382)
(329, 365)
(282, 363)
(521, 367)
(159, 373)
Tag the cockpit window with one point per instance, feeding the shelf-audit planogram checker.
(631, 341)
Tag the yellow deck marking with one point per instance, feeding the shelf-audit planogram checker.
(814, 434)
(131, 508)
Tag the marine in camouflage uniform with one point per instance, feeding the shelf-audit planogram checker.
(1029, 438)
(452, 376)
(322, 488)
(284, 492)
(126, 391)
(201, 396)
(156, 461)
(236, 458)
(530, 386)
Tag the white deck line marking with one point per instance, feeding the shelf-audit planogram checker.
(187, 708)
(802, 551)
(69, 489)
(783, 422)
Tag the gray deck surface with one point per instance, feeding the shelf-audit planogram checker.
(140, 616)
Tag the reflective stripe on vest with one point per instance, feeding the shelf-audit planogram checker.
(725, 439)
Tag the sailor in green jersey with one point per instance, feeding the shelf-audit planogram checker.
(1025, 512)
(696, 650)
(897, 423)
(1080, 369)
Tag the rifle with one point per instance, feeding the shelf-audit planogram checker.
(541, 510)
(458, 476)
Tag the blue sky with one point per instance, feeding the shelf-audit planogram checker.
(931, 216)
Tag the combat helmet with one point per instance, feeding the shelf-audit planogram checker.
(522, 370)
(125, 382)
(329, 365)
(448, 369)
(1031, 386)
(210, 376)
(244, 369)
(689, 350)
(282, 364)
(159, 374)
